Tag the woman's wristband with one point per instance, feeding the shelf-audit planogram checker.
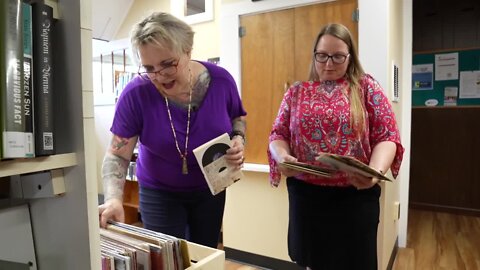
(239, 133)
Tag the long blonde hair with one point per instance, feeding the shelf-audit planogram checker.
(354, 73)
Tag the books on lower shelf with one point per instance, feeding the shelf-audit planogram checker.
(28, 79)
(126, 246)
(42, 22)
(11, 80)
(26, 83)
(211, 159)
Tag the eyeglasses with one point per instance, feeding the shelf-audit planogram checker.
(150, 75)
(336, 58)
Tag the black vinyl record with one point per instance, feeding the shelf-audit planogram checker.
(214, 152)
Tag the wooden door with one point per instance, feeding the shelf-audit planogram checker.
(267, 57)
(276, 51)
(308, 22)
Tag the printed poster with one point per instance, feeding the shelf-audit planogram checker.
(422, 77)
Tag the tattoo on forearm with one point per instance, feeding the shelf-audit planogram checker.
(239, 124)
(118, 143)
(114, 170)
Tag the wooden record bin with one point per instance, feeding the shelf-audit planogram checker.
(205, 258)
(202, 257)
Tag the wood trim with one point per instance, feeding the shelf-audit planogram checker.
(445, 208)
(446, 107)
(446, 50)
(391, 261)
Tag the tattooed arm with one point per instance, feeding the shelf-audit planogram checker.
(235, 153)
(239, 125)
(114, 170)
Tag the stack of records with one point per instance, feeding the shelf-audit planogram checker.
(129, 247)
(308, 168)
(350, 165)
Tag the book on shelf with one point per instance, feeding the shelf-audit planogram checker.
(11, 80)
(42, 21)
(28, 79)
(211, 159)
(350, 165)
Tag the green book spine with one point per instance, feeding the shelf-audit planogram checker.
(28, 80)
(11, 82)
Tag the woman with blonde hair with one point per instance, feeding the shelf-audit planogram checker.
(175, 105)
(341, 110)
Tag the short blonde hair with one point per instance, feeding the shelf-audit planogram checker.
(164, 30)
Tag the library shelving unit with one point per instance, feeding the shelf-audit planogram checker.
(65, 225)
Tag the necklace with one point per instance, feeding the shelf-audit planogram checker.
(183, 155)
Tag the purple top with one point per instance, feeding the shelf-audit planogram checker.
(141, 111)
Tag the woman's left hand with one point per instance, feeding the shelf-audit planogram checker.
(362, 182)
(234, 155)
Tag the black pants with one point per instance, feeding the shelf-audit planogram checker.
(333, 228)
(195, 216)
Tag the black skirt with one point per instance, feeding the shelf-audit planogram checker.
(333, 227)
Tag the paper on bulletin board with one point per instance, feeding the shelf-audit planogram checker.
(450, 96)
(470, 84)
(446, 66)
(422, 77)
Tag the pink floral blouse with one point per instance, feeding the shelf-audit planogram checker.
(314, 117)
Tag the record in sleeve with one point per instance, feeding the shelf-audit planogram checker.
(214, 152)
(213, 163)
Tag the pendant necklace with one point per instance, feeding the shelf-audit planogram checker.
(183, 155)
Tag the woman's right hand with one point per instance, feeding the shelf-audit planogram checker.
(112, 209)
(284, 170)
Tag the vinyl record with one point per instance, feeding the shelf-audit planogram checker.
(214, 152)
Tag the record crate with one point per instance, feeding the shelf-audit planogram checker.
(205, 258)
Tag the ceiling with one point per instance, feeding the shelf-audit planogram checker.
(108, 16)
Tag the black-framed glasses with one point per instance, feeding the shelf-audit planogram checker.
(147, 74)
(337, 58)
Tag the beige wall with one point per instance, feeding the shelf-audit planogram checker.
(389, 226)
(256, 216)
(139, 10)
(207, 37)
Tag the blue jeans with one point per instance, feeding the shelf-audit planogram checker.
(195, 215)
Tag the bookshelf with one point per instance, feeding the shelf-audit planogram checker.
(22, 166)
(65, 228)
(130, 202)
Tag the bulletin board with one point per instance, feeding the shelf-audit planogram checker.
(439, 92)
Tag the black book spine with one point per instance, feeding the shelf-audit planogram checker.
(11, 81)
(42, 22)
